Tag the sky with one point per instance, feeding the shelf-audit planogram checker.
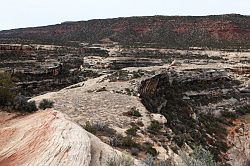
(31, 13)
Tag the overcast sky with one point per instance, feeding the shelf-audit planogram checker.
(29, 13)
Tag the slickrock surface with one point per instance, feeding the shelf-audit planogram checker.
(88, 103)
(50, 138)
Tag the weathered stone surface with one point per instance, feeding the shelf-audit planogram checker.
(50, 138)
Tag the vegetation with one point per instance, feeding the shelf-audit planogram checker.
(133, 112)
(46, 104)
(149, 161)
(126, 142)
(199, 157)
(22, 104)
(120, 161)
(128, 91)
(229, 114)
(243, 110)
(154, 127)
(132, 131)
(101, 89)
(96, 30)
(99, 129)
(6, 89)
(148, 148)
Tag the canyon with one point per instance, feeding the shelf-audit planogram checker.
(137, 91)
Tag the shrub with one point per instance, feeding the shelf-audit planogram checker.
(163, 163)
(229, 114)
(125, 142)
(6, 86)
(120, 161)
(154, 127)
(148, 147)
(99, 129)
(243, 110)
(46, 104)
(116, 140)
(199, 157)
(21, 104)
(101, 89)
(149, 161)
(134, 151)
(132, 131)
(129, 142)
(133, 112)
(88, 127)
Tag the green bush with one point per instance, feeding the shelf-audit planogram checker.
(229, 114)
(133, 112)
(21, 104)
(243, 110)
(199, 157)
(132, 131)
(88, 127)
(148, 147)
(126, 142)
(6, 86)
(149, 161)
(154, 127)
(99, 129)
(120, 161)
(46, 104)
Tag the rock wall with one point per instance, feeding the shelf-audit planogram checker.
(191, 101)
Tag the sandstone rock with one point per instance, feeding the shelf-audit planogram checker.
(50, 138)
(158, 117)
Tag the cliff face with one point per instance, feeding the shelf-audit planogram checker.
(171, 31)
(191, 101)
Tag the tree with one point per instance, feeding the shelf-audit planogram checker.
(6, 87)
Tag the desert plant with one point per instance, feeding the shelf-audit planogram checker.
(148, 147)
(132, 131)
(21, 104)
(128, 142)
(116, 140)
(163, 163)
(134, 151)
(133, 112)
(154, 127)
(199, 157)
(149, 160)
(123, 160)
(243, 110)
(101, 89)
(99, 129)
(229, 114)
(45, 103)
(128, 91)
(88, 127)
(6, 86)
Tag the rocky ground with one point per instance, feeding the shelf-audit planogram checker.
(210, 82)
(164, 108)
(52, 139)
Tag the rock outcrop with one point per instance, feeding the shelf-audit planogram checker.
(192, 101)
(50, 138)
